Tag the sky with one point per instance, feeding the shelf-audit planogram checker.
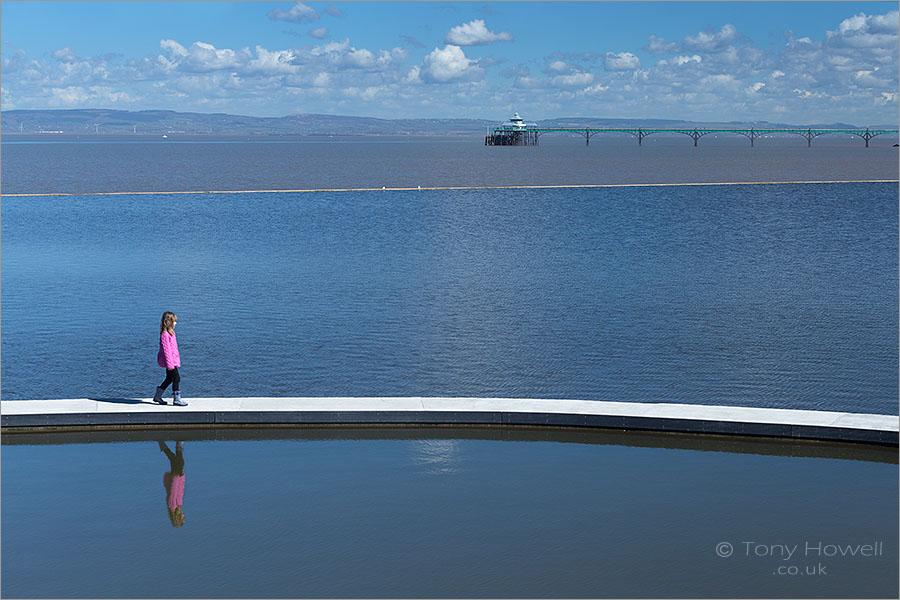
(796, 62)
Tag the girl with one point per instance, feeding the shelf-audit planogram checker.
(169, 359)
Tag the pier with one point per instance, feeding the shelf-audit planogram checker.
(24, 416)
(516, 132)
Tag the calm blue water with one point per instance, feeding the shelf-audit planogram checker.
(425, 513)
(772, 295)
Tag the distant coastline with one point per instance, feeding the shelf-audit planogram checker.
(158, 122)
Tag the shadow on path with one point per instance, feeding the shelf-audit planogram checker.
(122, 400)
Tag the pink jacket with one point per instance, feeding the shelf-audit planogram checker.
(168, 357)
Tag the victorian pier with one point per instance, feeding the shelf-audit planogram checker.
(516, 132)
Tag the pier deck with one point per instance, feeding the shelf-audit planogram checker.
(139, 413)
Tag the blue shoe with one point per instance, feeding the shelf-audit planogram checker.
(178, 401)
(158, 397)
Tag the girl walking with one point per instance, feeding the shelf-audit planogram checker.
(169, 359)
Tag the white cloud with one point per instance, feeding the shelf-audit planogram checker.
(573, 80)
(870, 79)
(78, 96)
(278, 61)
(359, 58)
(322, 80)
(527, 83)
(623, 61)
(65, 55)
(299, 13)
(320, 33)
(711, 42)
(597, 88)
(682, 60)
(808, 94)
(450, 64)
(173, 48)
(200, 57)
(865, 31)
(658, 45)
(558, 66)
(475, 33)
(331, 48)
(718, 82)
(412, 76)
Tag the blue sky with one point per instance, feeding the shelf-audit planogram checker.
(800, 62)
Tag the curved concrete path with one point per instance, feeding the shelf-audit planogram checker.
(29, 415)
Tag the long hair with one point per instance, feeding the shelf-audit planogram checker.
(176, 517)
(167, 323)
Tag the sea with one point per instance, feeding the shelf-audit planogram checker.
(717, 274)
(770, 291)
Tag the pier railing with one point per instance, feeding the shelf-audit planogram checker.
(529, 136)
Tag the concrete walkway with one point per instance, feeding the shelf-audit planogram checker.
(137, 413)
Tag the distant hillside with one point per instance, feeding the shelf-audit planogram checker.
(167, 121)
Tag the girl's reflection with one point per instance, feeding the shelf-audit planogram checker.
(174, 482)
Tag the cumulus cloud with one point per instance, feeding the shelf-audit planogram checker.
(412, 76)
(706, 41)
(322, 80)
(79, 96)
(200, 57)
(681, 60)
(298, 13)
(623, 61)
(450, 64)
(65, 55)
(658, 45)
(320, 33)
(475, 33)
(573, 80)
(268, 62)
(334, 11)
(865, 31)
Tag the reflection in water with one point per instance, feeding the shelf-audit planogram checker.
(174, 482)
(462, 512)
(439, 456)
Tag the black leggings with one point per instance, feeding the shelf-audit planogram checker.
(172, 377)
